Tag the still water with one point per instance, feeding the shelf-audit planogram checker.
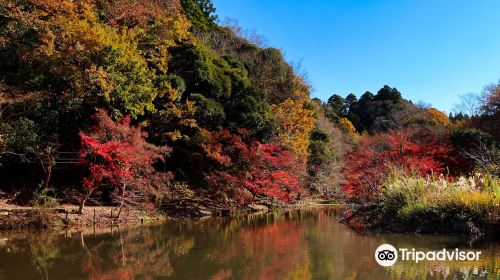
(298, 244)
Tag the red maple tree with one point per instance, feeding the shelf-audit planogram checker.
(246, 171)
(117, 155)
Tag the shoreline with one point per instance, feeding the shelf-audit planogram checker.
(13, 217)
(372, 217)
(381, 218)
(66, 216)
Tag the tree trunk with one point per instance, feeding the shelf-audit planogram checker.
(120, 208)
(48, 175)
(82, 204)
(47, 155)
(122, 201)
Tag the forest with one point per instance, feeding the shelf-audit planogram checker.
(144, 104)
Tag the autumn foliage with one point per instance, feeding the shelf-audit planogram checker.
(235, 119)
(249, 170)
(117, 155)
(438, 117)
(236, 116)
(412, 151)
(296, 123)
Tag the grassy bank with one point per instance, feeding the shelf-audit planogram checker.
(465, 205)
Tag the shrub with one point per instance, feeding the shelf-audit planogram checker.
(478, 150)
(42, 199)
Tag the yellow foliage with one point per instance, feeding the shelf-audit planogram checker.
(438, 117)
(173, 135)
(477, 200)
(173, 117)
(81, 37)
(296, 123)
(99, 82)
(78, 40)
(347, 127)
(180, 28)
(97, 60)
(478, 194)
(165, 33)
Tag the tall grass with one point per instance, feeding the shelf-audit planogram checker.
(432, 199)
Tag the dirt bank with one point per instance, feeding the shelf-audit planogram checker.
(66, 216)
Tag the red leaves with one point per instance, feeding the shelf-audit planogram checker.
(224, 147)
(249, 170)
(413, 151)
(276, 154)
(277, 183)
(116, 153)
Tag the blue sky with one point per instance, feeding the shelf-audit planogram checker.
(430, 50)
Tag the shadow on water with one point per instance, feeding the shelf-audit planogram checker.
(298, 244)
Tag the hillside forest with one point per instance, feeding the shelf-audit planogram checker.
(141, 103)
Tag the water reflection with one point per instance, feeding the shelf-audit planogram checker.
(300, 244)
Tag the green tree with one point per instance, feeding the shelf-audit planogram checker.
(319, 151)
(350, 101)
(209, 113)
(201, 13)
(337, 105)
(387, 93)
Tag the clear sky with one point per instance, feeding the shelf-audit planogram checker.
(430, 50)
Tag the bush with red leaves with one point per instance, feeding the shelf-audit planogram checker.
(417, 151)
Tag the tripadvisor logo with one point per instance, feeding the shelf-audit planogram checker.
(388, 255)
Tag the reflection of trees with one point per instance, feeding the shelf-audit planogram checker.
(44, 249)
(337, 252)
(92, 263)
(272, 251)
(301, 272)
(139, 253)
(124, 254)
(305, 244)
(250, 247)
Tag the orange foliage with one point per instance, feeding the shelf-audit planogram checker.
(138, 12)
(347, 127)
(438, 117)
(296, 123)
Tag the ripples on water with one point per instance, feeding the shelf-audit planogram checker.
(298, 244)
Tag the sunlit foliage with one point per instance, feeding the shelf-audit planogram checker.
(296, 122)
(438, 117)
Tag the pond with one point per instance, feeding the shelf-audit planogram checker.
(295, 244)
